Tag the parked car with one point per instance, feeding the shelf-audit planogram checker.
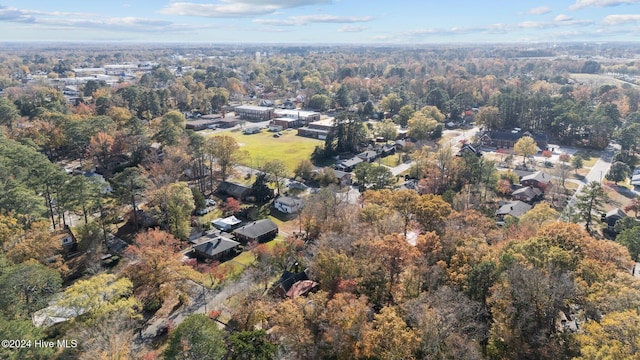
(210, 202)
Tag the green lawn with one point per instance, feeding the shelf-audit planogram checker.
(391, 160)
(589, 158)
(262, 147)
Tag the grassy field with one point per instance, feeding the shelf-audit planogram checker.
(391, 160)
(262, 147)
(597, 80)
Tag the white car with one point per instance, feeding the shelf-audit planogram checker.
(210, 202)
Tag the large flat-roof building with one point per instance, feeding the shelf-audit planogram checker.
(294, 118)
(254, 113)
(317, 129)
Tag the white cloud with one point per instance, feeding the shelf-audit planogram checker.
(69, 20)
(349, 28)
(532, 24)
(562, 17)
(540, 10)
(235, 8)
(307, 19)
(621, 19)
(581, 4)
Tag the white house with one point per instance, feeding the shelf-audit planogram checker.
(288, 205)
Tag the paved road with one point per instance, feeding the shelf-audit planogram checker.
(597, 173)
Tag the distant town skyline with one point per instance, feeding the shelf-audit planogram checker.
(320, 21)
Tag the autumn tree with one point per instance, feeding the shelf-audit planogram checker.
(391, 103)
(231, 206)
(615, 336)
(405, 202)
(431, 212)
(390, 338)
(347, 324)
(590, 200)
(387, 130)
(225, 150)
(304, 169)
(634, 206)
(173, 206)
(197, 337)
(155, 272)
(542, 212)
(277, 169)
(297, 324)
(92, 299)
(420, 126)
(394, 254)
(525, 146)
(489, 116)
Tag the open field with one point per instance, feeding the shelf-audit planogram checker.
(263, 147)
(597, 80)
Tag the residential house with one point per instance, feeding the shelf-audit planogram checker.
(343, 177)
(349, 164)
(538, 180)
(215, 247)
(386, 150)
(368, 155)
(238, 191)
(612, 217)
(254, 113)
(66, 239)
(288, 205)
(527, 194)
(412, 184)
(289, 104)
(514, 208)
(635, 179)
(114, 244)
(506, 139)
(468, 148)
(257, 231)
(291, 285)
(226, 224)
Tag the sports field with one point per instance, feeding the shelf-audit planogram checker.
(263, 147)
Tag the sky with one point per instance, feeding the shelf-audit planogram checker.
(320, 21)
